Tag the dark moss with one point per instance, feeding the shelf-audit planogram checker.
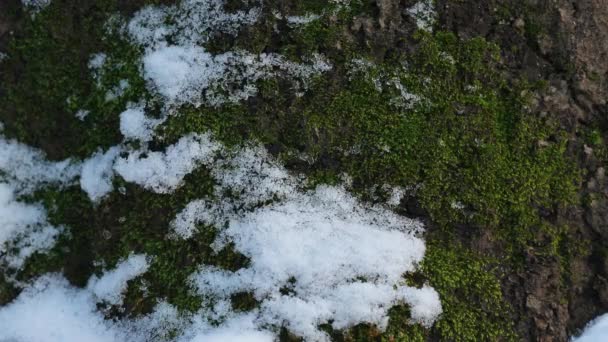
(46, 79)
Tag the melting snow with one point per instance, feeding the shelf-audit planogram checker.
(112, 284)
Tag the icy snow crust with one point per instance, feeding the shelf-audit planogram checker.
(316, 255)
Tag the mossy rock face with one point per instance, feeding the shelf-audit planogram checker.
(458, 133)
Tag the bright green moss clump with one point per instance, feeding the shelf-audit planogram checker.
(472, 300)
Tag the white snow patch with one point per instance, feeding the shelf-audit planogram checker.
(97, 173)
(405, 99)
(35, 5)
(346, 258)
(53, 311)
(308, 17)
(180, 74)
(164, 172)
(302, 20)
(192, 22)
(134, 124)
(457, 205)
(347, 261)
(82, 114)
(14, 215)
(396, 194)
(97, 61)
(23, 227)
(110, 287)
(239, 329)
(195, 213)
(596, 331)
(182, 71)
(189, 74)
(27, 168)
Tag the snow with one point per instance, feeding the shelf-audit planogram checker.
(112, 284)
(35, 5)
(178, 68)
(82, 114)
(97, 173)
(395, 196)
(53, 311)
(424, 14)
(117, 91)
(97, 61)
(192, 23)
(164, 172)
(135, 125)
(302, 20)
(297, 20)
(23, 227)
(596, 331)
(27, 168)
(324, 238)
(189, 74)
(15, 215)
(180, 73)
(238, 329)
(326, 241)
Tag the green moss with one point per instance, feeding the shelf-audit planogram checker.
(401, 329)
(47, 79)
(471, 296)
(7, 290)
(469, 142)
